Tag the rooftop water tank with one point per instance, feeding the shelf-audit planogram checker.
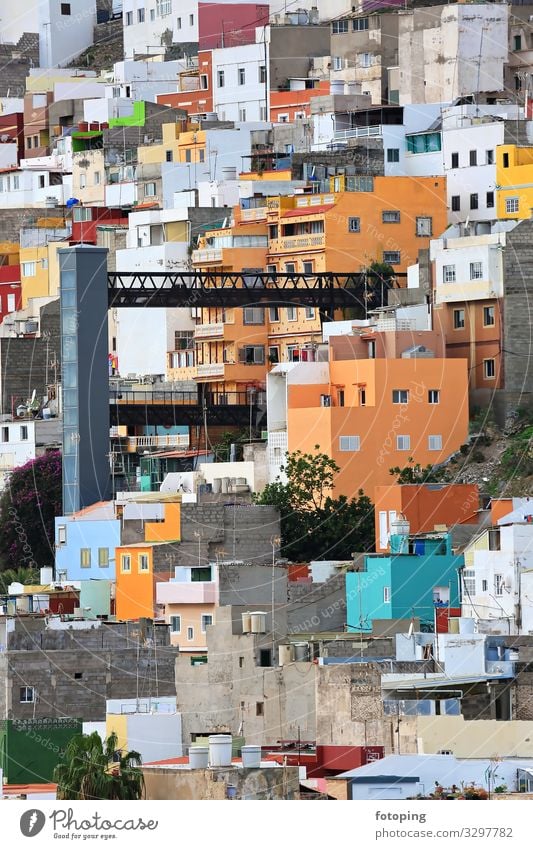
(284, 654)
(251, 757)
(198, 757)
(220, 750)
(246, 622)
(258, 622)
(301, 652)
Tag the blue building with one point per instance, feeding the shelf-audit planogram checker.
(86, 542)
(419, 574)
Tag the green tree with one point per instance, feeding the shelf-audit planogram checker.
(23, 575)
(27, 509)
(415, 473)
(92, 769)
(313, 523)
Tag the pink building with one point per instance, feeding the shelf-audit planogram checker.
(229, 24)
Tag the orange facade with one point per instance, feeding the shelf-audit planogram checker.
(289, 106)
(196, 88)
(473, 331)
(424, 506)
(375, 414)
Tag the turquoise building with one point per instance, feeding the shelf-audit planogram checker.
(419, 574)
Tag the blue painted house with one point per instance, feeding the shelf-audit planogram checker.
(419, 574)
(85, 543)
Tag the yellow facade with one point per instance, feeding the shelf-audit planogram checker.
(178, 145)
(40, 271)
(514, 181)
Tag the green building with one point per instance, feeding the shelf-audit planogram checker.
(30, 749)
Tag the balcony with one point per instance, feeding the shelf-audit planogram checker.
(295, 243)
(186, 592)
(468, 290)
(207, 255)
(257, 214)
(139, 443)
(209, 331)
(358, 133)
(210, 370)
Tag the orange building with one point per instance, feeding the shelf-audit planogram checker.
(424, 506)
(295, 104)
(381, 399)
(196, 88)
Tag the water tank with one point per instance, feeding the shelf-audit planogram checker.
(301, 652)
(284, 654)
(401, 526)
(251, 757)
(198, 757)
(466, 626)
(224, 485)
(513, 655)
(229, 173)
(258, 622)
(220, 750)
(47, 575)
(453, 625)
(217, 485)
(246, 622)
(336, 87)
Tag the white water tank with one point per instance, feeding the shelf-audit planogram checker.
(400, 526)
(47, 575)
(229, 173)
(198, 757)
(284, 654)
(246, 622)
(217, 485)
(220, 750)
(336, 87)
(258, 622)
(301, 651)
(467, 626)
(251, 757)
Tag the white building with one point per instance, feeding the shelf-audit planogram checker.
(65, 29)
(37, 188)
(23, 440)
(498, 575)
(240, 80)
(147, 22)
(144, 80)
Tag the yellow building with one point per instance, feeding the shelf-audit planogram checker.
(514, 181)
(181, 143)
(39, 271)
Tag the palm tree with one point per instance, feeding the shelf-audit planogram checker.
(22, 575)
(92, 769)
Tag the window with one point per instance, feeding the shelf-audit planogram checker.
(424, 225)
(476, 271)
(309, 313)
(308, 266)
(489, 157)
(103, 558)
(169, 155)
(65, 8)
(188, 155)
(400, 396)
(11, 303)
(242, 113)
(494, 539)
(339, 26)
(207, 619)
(201, 155)
(458, 319)
(292, 314)
(149, 190)
(490, 200)
(469, 581)
(178, 23)
(484, 585)
(259, 708)
(190, 633)
(83, 181)
(517, 42)
(448, 273)
(506, 160)
(140, 16)
(489, 317)
(273, 313)
(359, 184)
(403, 443)
(372, 349)
(456, 203)
(125, 563)
(423, 143)
(337, 63)
(386, 595)
(191, 20)
(511, 205)
(362, 397)
(152, 14)
(262, 113)
(85, 558)
(391, 257)
(354, 224)
(499, 585)
(27, 695)
(241, 661)
(349, 443)
(340, 397)
(129, 19)
(16, 182)
(390, 216)
(144, 563)
(241, 76)
(265, 657)
(29, 142)
(220, 79)
(262, 74)
(252, 355)
(29, 269)
(366, 60)
(435, 443)
(473, 157)
(393, 154)
(359, 24)
(175, 624)
(273, 354)
(253, 315)
(23, 433)
(474, 201)
(61, 533)
(489, 369)
(433, 396)
(164, 7)
(455, 160)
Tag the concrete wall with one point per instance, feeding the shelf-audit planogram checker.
(267, 783)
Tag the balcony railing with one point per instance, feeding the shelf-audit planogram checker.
(358, 132)
(208, 331)
(207, 255)
(291, 243)
(177, 440)
(257, 214)
(211, 370)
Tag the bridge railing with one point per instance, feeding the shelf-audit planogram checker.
(156, 397)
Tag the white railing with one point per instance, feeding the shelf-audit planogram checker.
(213, 255)
(256, 214)
(202, 331)
(210, 370)
(391, 324)
(177, 440)
(359, 132)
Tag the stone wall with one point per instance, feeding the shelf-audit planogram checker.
(256, 784)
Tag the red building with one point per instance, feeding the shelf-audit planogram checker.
(288, 106)
(12, 126)
(94, 216)
(229, 24)
(196, 88)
